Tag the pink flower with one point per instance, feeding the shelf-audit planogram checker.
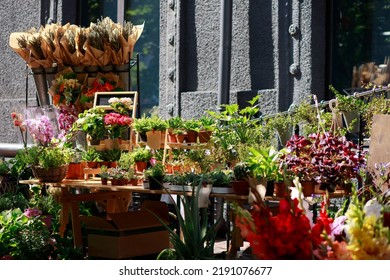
(32, 212)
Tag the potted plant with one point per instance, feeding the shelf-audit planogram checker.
(155, 175)
(222, 180)
(207, 126)
(283, 124)
(141, 156)
(240, 183)
(104, 174)
(192, 127)
(298, 162)
(263, 163)
(141, 126)
(156, 135)
(91, 157)
(173, 124)
(350, 107)
(117, 176)
(91, 121)
(115, 124)
(111, 156)
(337, 159)
(49, 164)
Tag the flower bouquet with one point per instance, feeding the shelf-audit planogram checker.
(100, 83)
(115, 123)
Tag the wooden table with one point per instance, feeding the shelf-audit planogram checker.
(115, 197)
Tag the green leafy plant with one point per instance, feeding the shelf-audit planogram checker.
(47, 157)
(126, 161)
(207, 123)
(90, 121)
(24, 238)
(142, 125)
(221, 178)
(111, 155)
(104, 172)
(175, 123)
(91, 155)
(142, 154)
(44, 202)
(197, 241)
(192, 125)
(156, 171)
(11, 201)
(263, 162)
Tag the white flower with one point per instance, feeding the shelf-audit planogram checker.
(373, 207)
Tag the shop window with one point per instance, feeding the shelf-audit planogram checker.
(359, 43)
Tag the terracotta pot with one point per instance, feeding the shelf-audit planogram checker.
(172, 137)
(140, 166)
(114, 182)
(104, 181)
(92, 164)
(240, 187)
(192, 136)
(204, 136)
(308, 187)
(280, 189)
(180, 138)
(75, 171)
(134, 182)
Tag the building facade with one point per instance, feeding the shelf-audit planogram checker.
(280, 50)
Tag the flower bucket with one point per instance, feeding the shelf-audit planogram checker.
(54, 174)
(153, 139)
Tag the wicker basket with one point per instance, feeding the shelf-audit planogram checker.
(52, 174)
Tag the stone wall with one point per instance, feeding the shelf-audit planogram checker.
(272, 54)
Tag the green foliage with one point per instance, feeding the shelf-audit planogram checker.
(90, 121)
(142, 154)
(198, 238)
(24, 238)
(192, 125)
(46, 157)
(142, 125)
(111, 155)
(46, 203)
(11, 201)
(235, 127)
(4, 168)
(91, 155)
(156, 171)
(263, 162)
(221, 178)
(126, 161)
(241, 171)
(175, 122)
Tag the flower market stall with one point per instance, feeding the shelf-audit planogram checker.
(343, 216)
